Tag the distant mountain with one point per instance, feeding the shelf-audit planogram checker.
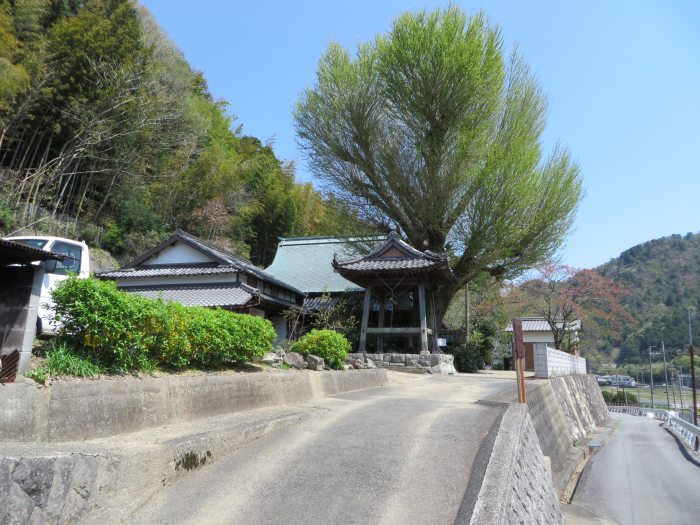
(663, 278)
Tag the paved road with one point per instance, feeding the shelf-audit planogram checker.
(641, 476)
(397, 455)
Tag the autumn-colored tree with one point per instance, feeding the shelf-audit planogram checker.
(562, 295)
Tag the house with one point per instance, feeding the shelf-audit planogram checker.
(190, 271)
(307, 264)
(536, 331)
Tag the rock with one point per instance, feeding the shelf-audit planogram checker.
(443, 369)
(347, 367)
(271, 358)
(412, 359)
(424, 360)
(356, 364)
(398, 359)
(370, 364)
(315, 362)
(296, 360)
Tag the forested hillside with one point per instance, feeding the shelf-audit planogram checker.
(108, 134)
(662, 278)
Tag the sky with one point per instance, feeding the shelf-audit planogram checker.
(622, 79)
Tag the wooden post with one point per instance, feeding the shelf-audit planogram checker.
(423, 320)
(380, 324)
(433, 325)
(365, 319)
(519, 354)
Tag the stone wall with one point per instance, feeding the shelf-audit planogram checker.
(407, 360)
(563, 410)
(76, 410)
(517, 486)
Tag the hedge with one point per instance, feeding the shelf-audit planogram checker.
(123, 331)
(332, 346)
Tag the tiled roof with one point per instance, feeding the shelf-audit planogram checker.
(306, 262)
(539, 324)
(165, 271)
(223, 262)
(394, 255)
(224, 295)
(390, 264)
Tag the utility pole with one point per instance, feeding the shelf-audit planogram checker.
(651, 379)
(680, 388)
(673, 388)
(668, 400)
(639, 397)
(692, 370)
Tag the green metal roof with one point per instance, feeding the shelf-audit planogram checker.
(306, 262)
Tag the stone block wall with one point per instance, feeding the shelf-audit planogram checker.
(409, 360)
(517, 487)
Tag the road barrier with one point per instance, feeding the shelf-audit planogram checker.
(684, 430)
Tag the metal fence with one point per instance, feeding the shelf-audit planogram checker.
(683, 429)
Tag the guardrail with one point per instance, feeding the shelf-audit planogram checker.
(684, 430)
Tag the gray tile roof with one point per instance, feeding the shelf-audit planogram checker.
(223, 262)
(539, 324)
(390, 264)
(165, 271)
(394, 255)
(224, 295)
(306, 262)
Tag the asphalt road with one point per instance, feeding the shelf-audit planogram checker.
(397, 455)
(641, 476)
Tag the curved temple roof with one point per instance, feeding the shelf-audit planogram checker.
(395, 258)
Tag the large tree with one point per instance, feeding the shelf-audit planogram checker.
(432, 130)
(562, 295)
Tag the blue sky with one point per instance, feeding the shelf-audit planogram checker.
(622, 79)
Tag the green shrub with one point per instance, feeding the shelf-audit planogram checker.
(468, 358)
(332, 346)
(40, 375)
(620, 398)
(122, 331)
(113, 238)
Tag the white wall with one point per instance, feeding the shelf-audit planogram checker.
(555, 363)
(280, 325)
(179, 253)
(538, 337)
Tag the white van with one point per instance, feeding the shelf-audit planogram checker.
(77, 262)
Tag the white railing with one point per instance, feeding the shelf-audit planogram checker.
(684, 430)
(555, 363)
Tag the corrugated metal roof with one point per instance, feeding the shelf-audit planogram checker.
(12, 252)
(306, 263)
(224, 295)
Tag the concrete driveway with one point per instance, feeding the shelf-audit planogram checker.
(396, 455)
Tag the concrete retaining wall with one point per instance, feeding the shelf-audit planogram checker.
(517, 487)
(78, 410)
(564, 410)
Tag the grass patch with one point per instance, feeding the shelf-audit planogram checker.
(61, 360)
